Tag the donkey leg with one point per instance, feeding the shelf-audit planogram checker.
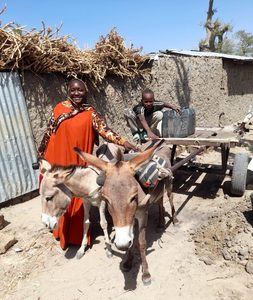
(104, 226)
(142, 218)
(173, 211)
(168, 186)
(127, 265)
(86, 225)
(161, 222)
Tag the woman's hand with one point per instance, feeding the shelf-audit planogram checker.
(128, 146)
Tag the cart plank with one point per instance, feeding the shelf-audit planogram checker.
(199, 141)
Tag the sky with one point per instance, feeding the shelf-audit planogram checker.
(154, 25)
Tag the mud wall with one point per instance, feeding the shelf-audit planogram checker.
(211, 85)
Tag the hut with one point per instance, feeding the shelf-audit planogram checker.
(34, 67)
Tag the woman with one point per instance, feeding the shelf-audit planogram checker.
(74, 123)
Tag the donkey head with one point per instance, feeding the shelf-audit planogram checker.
(55, 196)
(120, 191)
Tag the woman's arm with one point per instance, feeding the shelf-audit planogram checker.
(109, 135)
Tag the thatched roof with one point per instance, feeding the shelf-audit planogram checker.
(45, 51)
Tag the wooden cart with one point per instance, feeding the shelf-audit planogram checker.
(224, 139)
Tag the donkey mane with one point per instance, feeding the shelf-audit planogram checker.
(71, 168)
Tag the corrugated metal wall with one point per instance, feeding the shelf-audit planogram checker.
(17, 149)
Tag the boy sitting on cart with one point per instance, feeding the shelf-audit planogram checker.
(145, 116)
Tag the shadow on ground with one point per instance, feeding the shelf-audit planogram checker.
(196, 184)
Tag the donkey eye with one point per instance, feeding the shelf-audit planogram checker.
(49, 198)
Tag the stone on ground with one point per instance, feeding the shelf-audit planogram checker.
(6, 241)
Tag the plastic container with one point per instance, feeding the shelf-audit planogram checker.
(178, 125)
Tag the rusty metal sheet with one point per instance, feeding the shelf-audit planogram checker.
(17, 149)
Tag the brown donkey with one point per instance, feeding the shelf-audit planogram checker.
(127, 201)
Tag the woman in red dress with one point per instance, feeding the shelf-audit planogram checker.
(74, 123)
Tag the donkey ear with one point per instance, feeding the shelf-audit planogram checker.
(62, 175)
(92, 160)
(44, 166)
(141, 158)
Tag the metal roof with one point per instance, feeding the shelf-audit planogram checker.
(205, 54)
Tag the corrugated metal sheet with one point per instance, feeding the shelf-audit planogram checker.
(206, 54)
(17, 149)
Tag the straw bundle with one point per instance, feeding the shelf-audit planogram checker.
(44, 51)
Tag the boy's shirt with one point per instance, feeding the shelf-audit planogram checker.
(139, 109)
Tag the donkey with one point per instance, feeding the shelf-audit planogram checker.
(59, 185)
(127, 201)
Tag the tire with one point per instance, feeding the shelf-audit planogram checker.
(239, 174)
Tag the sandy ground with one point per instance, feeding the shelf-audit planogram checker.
(186, 261)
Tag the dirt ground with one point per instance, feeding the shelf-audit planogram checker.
(208, 255)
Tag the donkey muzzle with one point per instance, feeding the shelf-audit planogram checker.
(123, 237)
(48, 221)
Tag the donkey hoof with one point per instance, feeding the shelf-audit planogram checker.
(80, 254)
(146, 279)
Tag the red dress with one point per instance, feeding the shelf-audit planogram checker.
(76, 131)
(73, 127)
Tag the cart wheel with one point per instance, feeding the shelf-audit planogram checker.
(239, 174)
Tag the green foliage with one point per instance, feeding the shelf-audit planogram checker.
(240, 43)
(245, 42)
(228, 46)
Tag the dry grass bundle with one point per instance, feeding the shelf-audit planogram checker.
(45, 51)
(115, 58)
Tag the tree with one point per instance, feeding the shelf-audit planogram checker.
(240, 43)
(228, 46)
(245, 42)
(215, 32)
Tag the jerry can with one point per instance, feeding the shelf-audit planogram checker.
(178, 125)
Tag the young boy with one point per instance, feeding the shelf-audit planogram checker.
(145, 116)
